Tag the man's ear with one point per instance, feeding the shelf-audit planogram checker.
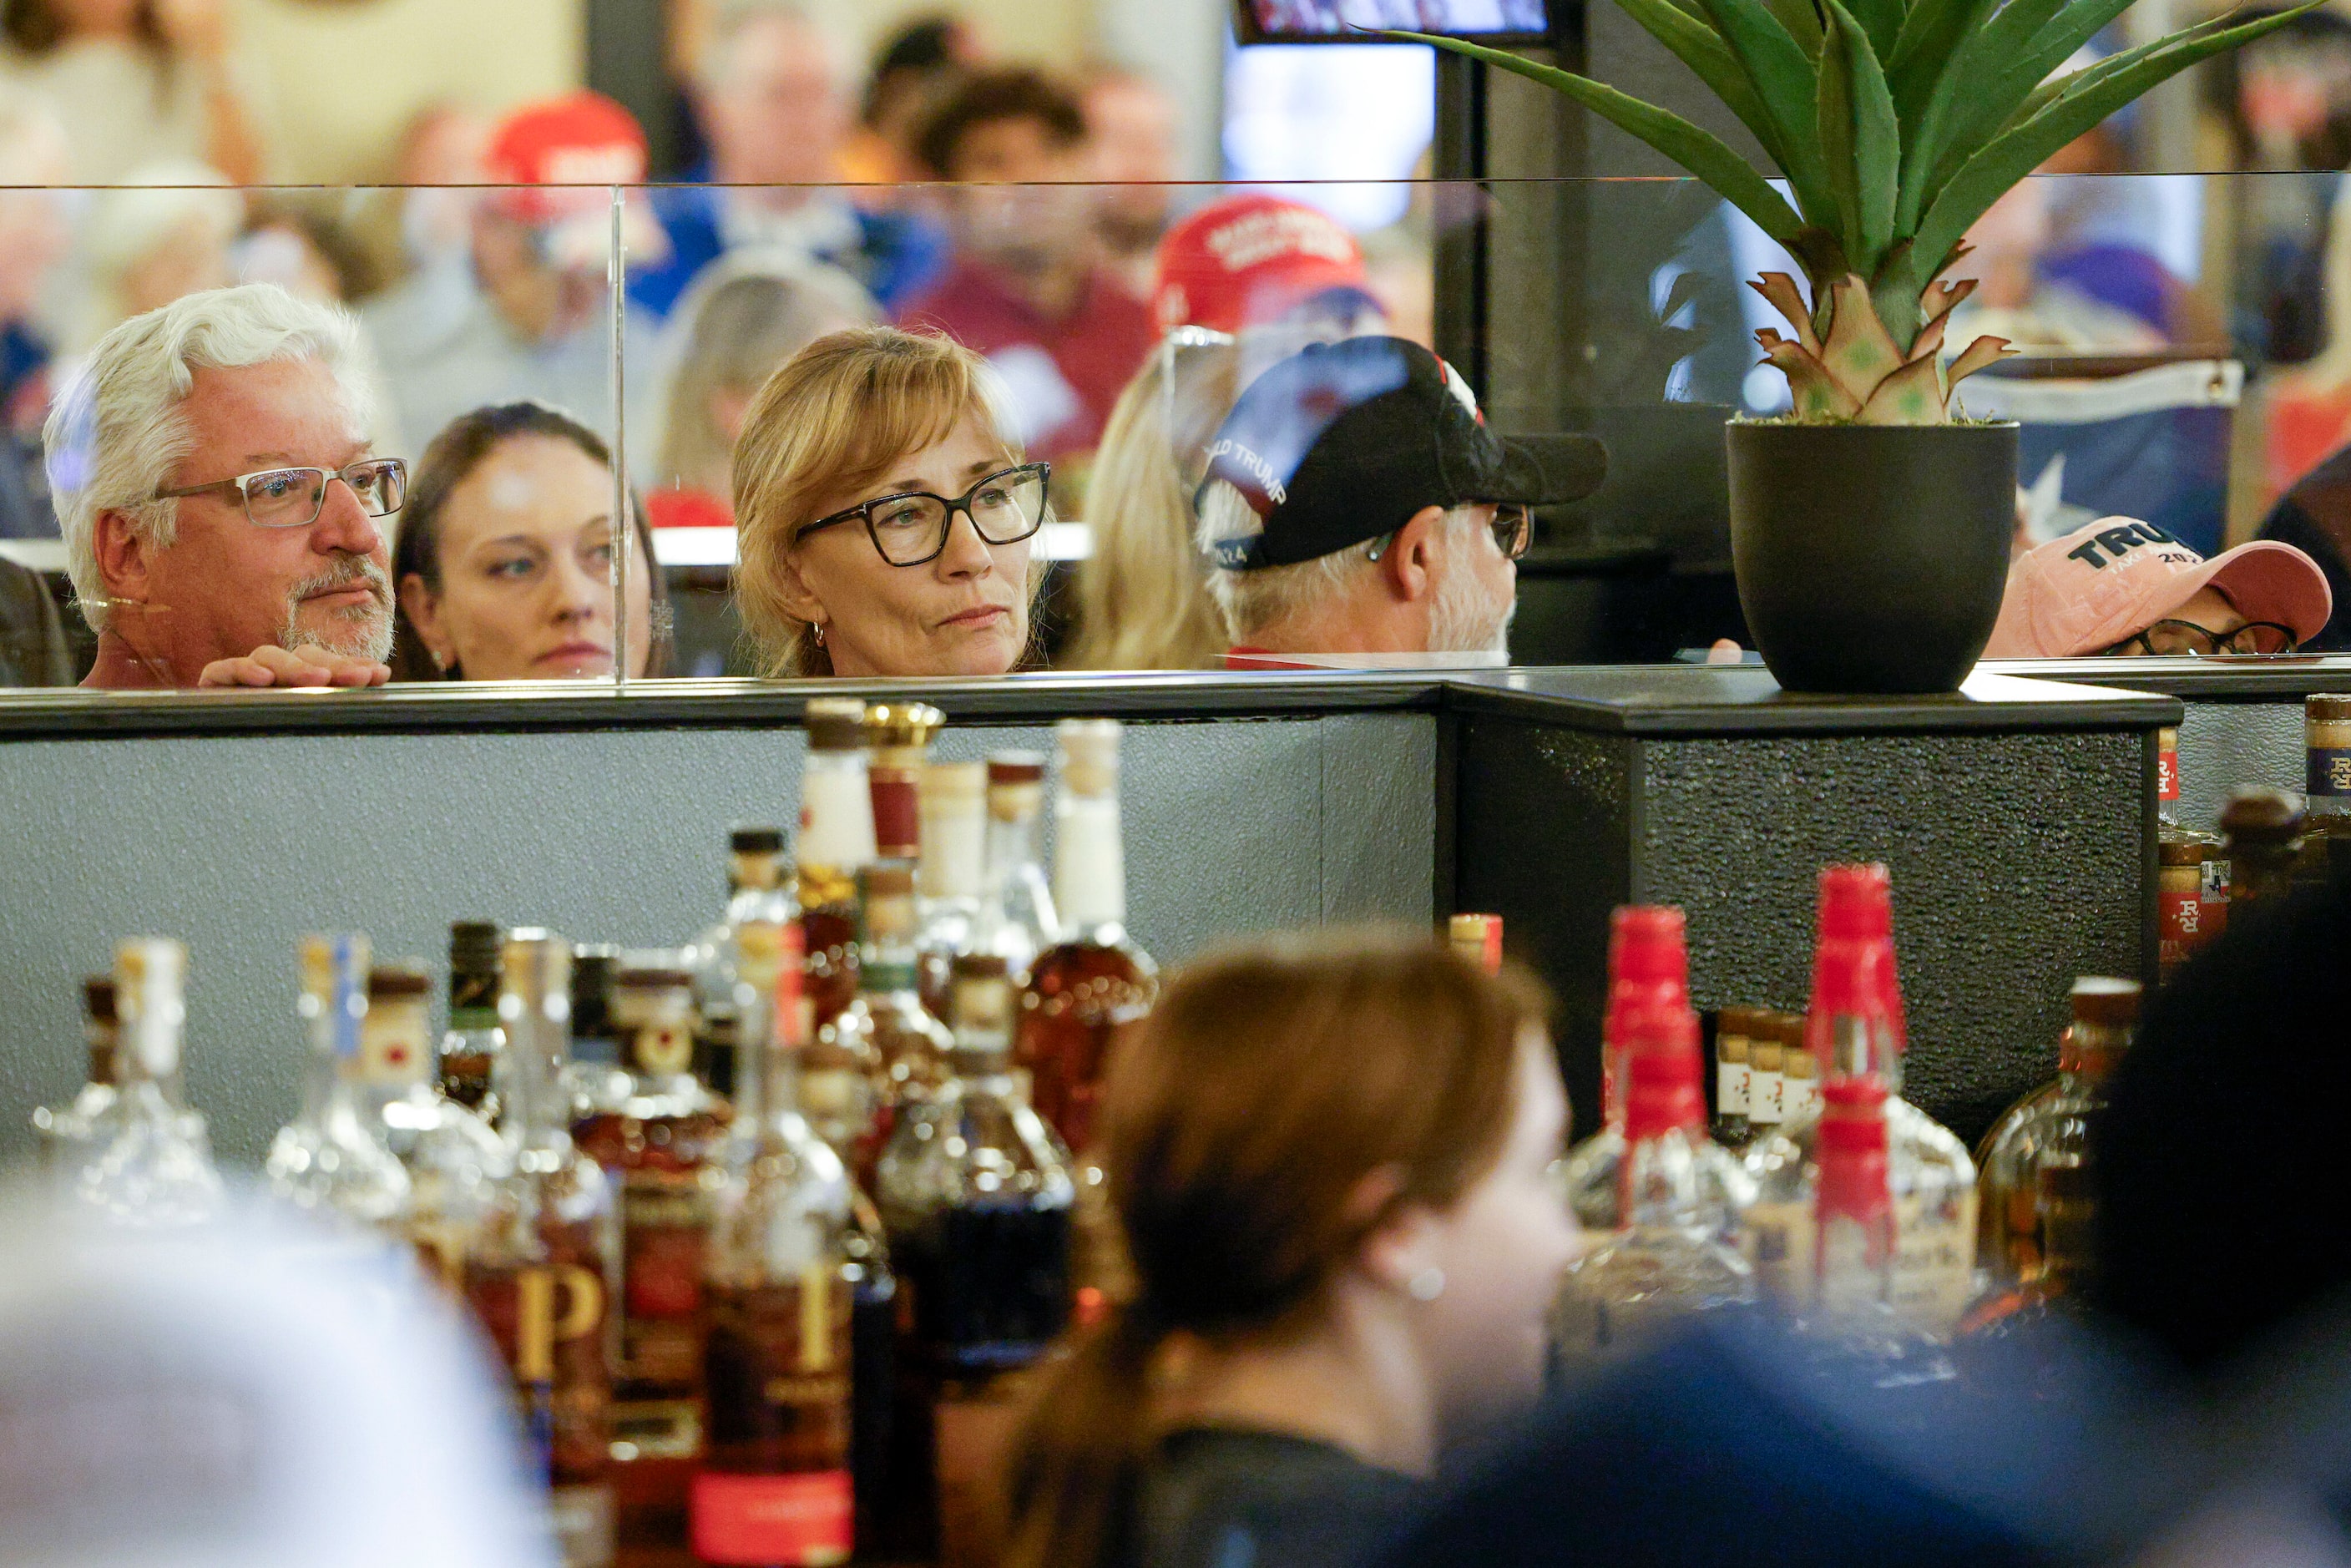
(1409, 564)
(122, 556)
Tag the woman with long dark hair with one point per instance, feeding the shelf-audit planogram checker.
(1328, 1159)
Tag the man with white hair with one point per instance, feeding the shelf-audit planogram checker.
(221, 499)
(768, 93)
(1357, 504)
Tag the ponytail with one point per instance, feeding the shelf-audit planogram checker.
(1077, 1458)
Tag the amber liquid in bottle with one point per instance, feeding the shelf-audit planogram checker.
(547, 1318)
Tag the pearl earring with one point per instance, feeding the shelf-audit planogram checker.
(1426, 1285)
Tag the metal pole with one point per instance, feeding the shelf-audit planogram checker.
(625, 522)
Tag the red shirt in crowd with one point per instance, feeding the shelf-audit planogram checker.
(1064, 374)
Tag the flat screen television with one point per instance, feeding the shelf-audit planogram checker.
(1499, 22)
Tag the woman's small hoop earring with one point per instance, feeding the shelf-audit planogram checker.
(819, 630)
(1426, 1285)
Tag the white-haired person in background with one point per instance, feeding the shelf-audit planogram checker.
(221, 497)
(1356, 505)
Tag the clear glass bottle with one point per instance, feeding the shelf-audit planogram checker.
(661, 1145)
(543, 1275)
(1851, 1311)
(595, 1081)
(1477, 938)
(898, 746)
(2036, 1203)
(454, 1160)
(780, 1287)
(836, 842)
(471, 1049)
(1855, 1028)
(948, 878)
(67, 1134)
(1017, 919)
(1648, 971)
(888, 1025)
(1667, 1263)
(156, 1169)
(976, 1196)
(1734, 1030)
(331, 1157)
(755, 891)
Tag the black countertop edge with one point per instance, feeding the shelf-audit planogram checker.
(1650, 700)
(2252, 679)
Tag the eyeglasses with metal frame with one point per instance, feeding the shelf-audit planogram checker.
(293, 497)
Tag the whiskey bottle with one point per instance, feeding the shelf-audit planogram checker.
(1094, 982)
(2263, 832)
(1477, 938)
(659, 1146)
(68, 1133)
(836, 839)
(1800, 1073)
(898, 746)
(887, 1025)
(331, 1157)
(1648, 973)
(2035, 1196)
(947, 880)
(454, 1160)
(976, 1196)
(755, 891)
(1852, 1308)
(780, 1284)
(1734, 1028)
(1767, 1087)
(1667, 1261)
(470, 1050)
(156, 1167)
(1017, 921)
(595, 1083)
(2326, 734)
(542, 1274)
(1855, 1030)
(2192, 872)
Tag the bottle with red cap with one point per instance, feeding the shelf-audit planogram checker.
(1856, 1029)
(1649, 977)
(1855, 1262)
(1669, 1259)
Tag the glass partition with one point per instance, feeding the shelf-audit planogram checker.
(2180, 362)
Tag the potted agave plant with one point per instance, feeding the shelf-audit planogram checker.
(1870, 525)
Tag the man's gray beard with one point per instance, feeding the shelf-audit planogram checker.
(364, 631)
(1462, 617)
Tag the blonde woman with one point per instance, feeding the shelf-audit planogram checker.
(1143, 595)
(885, 513)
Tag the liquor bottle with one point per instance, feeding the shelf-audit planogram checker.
(1095, 982)
(976, 1196)
(1851, 1310)
(2192, 872)
(156, 1169)
(780, 1284)
(1855, 1030)
(1668, 1261)
(331, 1156)
(947, 880)
(1767, 1055)
(2263, 831)
(595, 1083)
(1477, 938)
(1648, 973)
(454, 1160)
(2034, 1212)
(887, 1025)
(68, 1133)
(659, 1146)
(542, 1274)
(1016, 904)
(755, 891)
(2327, 735)
(836, 839)
(898, 745)
(1734, 1029)
(471, 1049)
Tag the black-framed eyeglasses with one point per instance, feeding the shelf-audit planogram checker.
(2174, 637)
(911, 528)
(293, 497)
(1514, 528)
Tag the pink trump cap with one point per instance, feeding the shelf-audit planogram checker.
(2100, 584)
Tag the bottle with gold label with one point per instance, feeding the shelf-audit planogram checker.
(331, 1157)
(779, 1287)
(155, 1167)
(471, 1050)
(68, 1133)
(887, 1025)
(543, 1273)
(454, 1160)
(947, 878)
(659, 1143)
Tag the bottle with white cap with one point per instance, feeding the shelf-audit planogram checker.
(157, 1168)
(331, 1157)
(453, 1159)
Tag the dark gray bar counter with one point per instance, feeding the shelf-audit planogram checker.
(2015, 817)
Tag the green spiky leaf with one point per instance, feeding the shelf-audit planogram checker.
(1697, 45)
(1785, 80)
(1802, 20)
(1931, 34)
(1882, 21)
(1700, 152)
(1872, 135)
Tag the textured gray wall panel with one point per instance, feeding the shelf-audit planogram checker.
(238, 844)
(2223, 745)
(2017, 863)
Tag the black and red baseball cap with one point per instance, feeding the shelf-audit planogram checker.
(1343, 442)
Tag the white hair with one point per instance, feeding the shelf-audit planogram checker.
(718, 51)
(116, 431)
(1267, 596)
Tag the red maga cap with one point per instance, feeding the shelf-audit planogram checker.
(1249, 260)
(1663, 1092)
